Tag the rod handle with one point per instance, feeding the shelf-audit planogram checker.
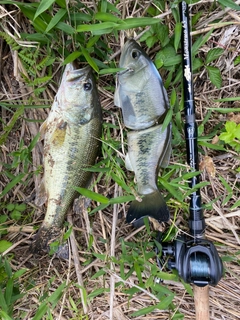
(201, 299)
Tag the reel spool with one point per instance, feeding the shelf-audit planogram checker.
(196, 261)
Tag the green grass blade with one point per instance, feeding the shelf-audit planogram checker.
(43, 6)
(58, 16)
(12, 184)
(7, 129)
(92, 195)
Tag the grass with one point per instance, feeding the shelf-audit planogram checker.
(117, 264)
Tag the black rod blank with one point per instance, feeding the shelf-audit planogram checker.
(196, 219)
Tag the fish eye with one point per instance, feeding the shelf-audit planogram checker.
(135, 54)
(87, 86)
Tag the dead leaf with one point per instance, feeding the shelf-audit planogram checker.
(208, 165)
(215, 140)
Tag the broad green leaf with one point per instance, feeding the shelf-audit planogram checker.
(95, 293)
(4, 245)
(92, 41)
(230, 126)
(58, 16)
(237, 61)
(92, 195)
(66, 28)
(71, 57)
(213, 54)
(96, 27)
(56, 295)
(130, 23)
(173, 98)
(43, 308)
(91, 62)
(177, 35)
(215, 76)
(19, 273)
(167, 119)
(4, 315)
(211, 146)
(104, 16)
(110, 70)
(163, 34)
(9, 291)
(43, 6)
(200, 42)
(98, 274)
(10, 207)
(197, 63)
(143, 311)
(121, 199)
(229, 4)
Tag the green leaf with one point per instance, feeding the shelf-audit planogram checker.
(96, 27)
(7, 129)
(91, 62)
(9, 291)
(56, 295)
(237, 61)
(230, 126)
(229, 4)
(110, 70)
(71, 57)
(130, 23)
(12, 184)
(66, 28)
(58, 16)
(215, 76)
(92, 195)
(3, 303)
(4, 315)
(43, 308)
(104, 16)
(15, 215)
(10, 207)
(4, 245)
(121, 199)
(213, 54)
(199, 42)
(43, 6)
(177, 35)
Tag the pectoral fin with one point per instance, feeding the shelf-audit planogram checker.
(128, 163)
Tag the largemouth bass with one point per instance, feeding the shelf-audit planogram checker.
(140, 92)
(147, 150)
(143, 99)
(71, 144)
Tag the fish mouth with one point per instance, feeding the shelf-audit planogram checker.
(73, 72)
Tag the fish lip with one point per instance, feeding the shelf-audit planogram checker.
(72, 72)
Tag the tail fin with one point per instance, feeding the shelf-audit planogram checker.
(152, 205)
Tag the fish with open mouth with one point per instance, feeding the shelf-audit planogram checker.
(72, 135)
(144, 103)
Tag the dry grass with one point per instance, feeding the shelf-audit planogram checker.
(107, 227)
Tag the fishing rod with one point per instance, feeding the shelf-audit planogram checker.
(194, 257)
